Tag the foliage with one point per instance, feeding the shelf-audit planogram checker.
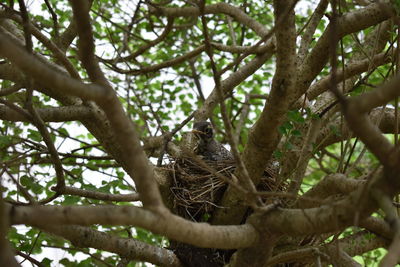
(157, 96)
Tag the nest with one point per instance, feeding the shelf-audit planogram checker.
(198, 186)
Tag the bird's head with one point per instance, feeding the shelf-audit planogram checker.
(203, 130)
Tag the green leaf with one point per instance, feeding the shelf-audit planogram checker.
(335, 130)
(296, 133)
(46, 262)
(295, 116)
(37, 188)
(34, 135)
(288, 145)
(5, 141)
(25, 181)
(278, 154)
(63, 131)
(206, 216)
(282, 130)
(66, 262)
(70, 200)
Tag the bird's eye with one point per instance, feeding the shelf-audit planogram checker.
(208, 131)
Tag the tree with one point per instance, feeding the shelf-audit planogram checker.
(98, 99)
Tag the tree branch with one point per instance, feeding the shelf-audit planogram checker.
(100, 195)
(199, 234)
(51, 114)
(223, 8)
(125, 247)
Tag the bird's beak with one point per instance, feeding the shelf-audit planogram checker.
(197, 132)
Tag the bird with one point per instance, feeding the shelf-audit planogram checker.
(207, 147)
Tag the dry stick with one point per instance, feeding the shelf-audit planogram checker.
(245, 179)
(230, 181)
(233, 182)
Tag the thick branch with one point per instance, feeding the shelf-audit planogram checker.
(125, 247)
(386, 124)
(56, 114)
(235, 79)
(132, 156)
(223, 8)
(348, 23)
(58, 53)
(43, 74)
(6, 253)
(352, 69)
(352, 245)
(126, 135)
(198, 234)
(264, 136)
